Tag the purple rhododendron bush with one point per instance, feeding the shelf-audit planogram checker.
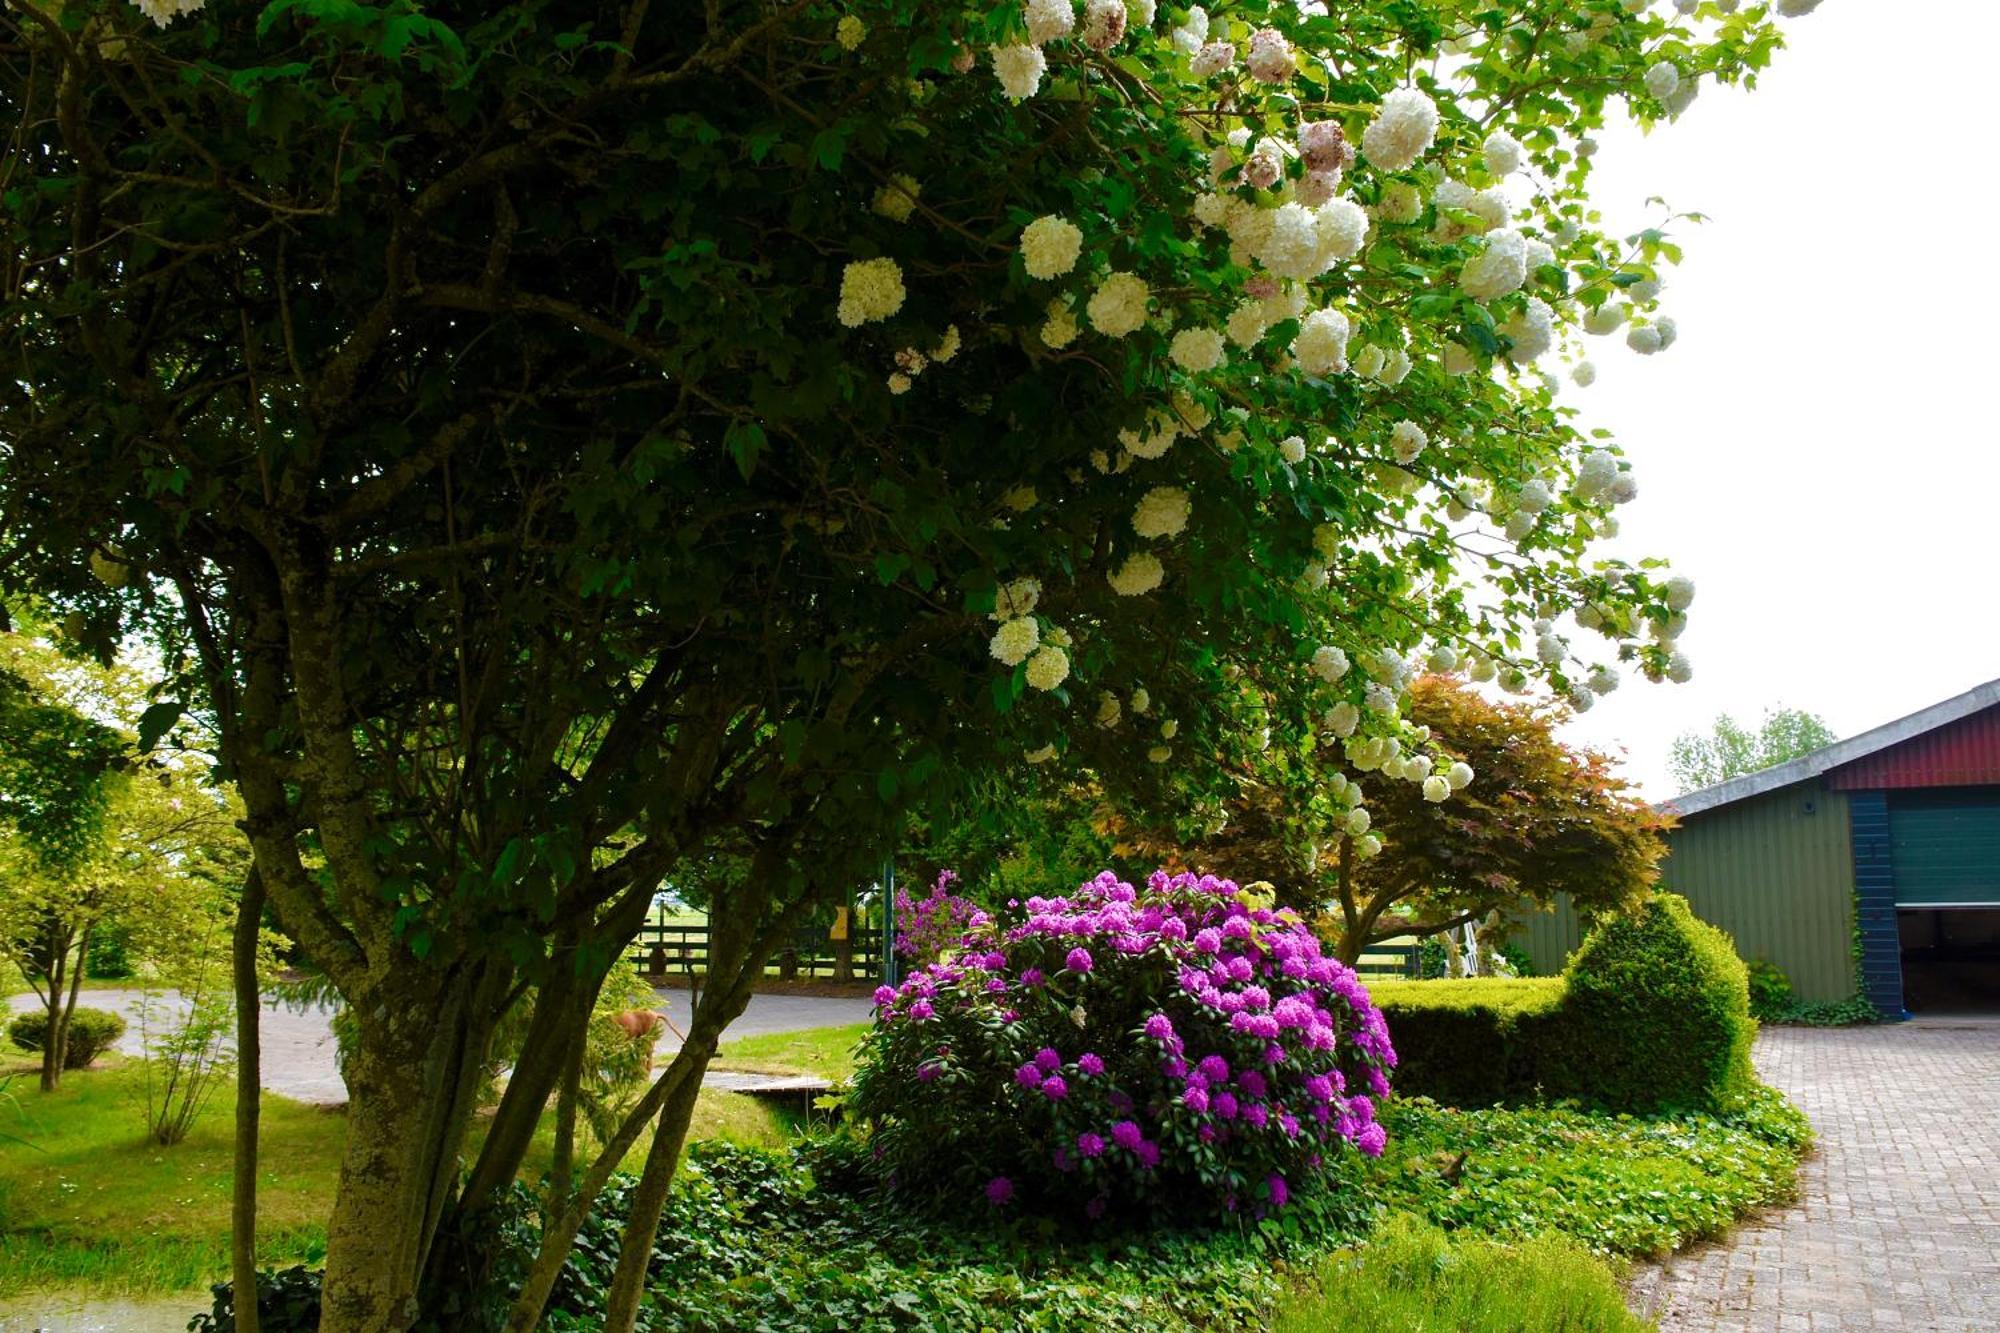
(1175, 1049)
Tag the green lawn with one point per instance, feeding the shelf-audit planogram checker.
(1413, 1278)
(827, 1052)
(86, 1201)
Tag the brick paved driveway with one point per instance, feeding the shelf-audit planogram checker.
(1898, 1220)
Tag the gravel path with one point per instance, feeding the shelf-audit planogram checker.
(298, 1048)
(1898, 1221)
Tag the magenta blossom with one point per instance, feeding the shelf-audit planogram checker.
(999, 1191)
(1090, 1063)
(1078, 960)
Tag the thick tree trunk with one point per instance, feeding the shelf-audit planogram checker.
(412, 1083)
(243, 1192)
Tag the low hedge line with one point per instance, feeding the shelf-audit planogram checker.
(1652, 1014)
(91, 1034)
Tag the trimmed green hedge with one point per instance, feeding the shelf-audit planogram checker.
(1652, 1014)
(91, 1032)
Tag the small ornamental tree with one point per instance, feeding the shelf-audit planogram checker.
(558, 441)
(1508, 819)
(1172, 1049)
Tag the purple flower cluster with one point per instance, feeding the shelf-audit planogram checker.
(928, 928)
(1150, 1046)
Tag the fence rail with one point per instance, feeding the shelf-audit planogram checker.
(675, 951)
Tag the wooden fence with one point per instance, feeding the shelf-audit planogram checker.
(679, 951)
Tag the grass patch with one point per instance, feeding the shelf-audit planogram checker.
(87, 1199)
(1619, 1185)
(825, 1052)
(1413, 1278)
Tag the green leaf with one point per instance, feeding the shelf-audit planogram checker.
(156, 721)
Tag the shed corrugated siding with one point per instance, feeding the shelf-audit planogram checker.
(1779, 880)
(1964, 753)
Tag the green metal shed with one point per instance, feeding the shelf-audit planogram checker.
(1870, 866)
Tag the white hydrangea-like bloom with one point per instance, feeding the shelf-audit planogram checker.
(1193, 31)
(1540, 255)
(1162, 512)
(1381, 699)
(1107, 710)
(1368, 846)
(1104, 23)
(870, 290)
(1406, 440)
(1246, 324)
(1291, 248)
(1792, 9)
(1118, 306)
(1585, 374)
(1483, 669)
(1395, 368)
(1159, 754)
(1606, 319)
(1369, 364)
(1533, 496)
(849, 32)
(1502, 152)
(1596, 472)
(1197, 350)
(1041, 756)
(1668, 331)
(1459, 775)
(1141, 700)
(948, 345)
(1645, 291)
(1403, 129)
(1491, 207)
(1663, 79)
(1020, 70)
(1603, 680)
(1501, 269)
(1212, 59)
(1532, 330)
(1644, 339)
(1292, 449)
(1140, 573)
(1169, 729)
(1459, 360)
(1357, 822)
(897, 199)
(1400, 203)
(1050, 246)
(1141, 12)
(1321, 345)
(1342, 225)
(1211, 210)
(1581, 699)
(1550, 649)
(1679, 669)
(1016, 599)
(1048, 19)
(1162, 429)
(899, 383)
(1436, 790)
(1059, 330)
(1329, 663)
(1048, 668)
(1014, 640)
(1624, 489)
(1680, 592)
(1341, 719)
(1519, 525)
(1270, 58)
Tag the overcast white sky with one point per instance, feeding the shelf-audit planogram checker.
(1818, 451)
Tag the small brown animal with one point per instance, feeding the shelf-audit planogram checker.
(643, 1027)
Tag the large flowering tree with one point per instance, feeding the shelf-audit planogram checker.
(556, 441)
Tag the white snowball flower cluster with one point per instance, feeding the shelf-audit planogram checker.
(1501, 269)
(1436, 790)
(1190, 36)
(1406, 440)
(1141, 700)
(1605, 319)
(1014, 640)
(1292, 449)
(1459, 776)
(1679, 669)
(1291, 250)
(1403, 129)
(1603, 680)
(1048, 668)
(948, 345)
(1197, 350)
(1162, 512)
(1048, 19)
(1118, 306)
(1792, 9)
(849, 32)
(1104, 24)
(1342, 226)
(1041, 756)
(1502, 152)
(1329, 663)
(1595, 473)
(1585, 374)
(1059, 330)
(1016, 599)
(1532, 330)
(1270, 58)
(1108, 712)
(1050, 246)
(1020, 70)
(1321, 345)
(1647, 339)
(1680, 592)
(870, 289)
(1162, 429)
(1663, 79)
(897, 199)
(1341, 719)
(1138, 575)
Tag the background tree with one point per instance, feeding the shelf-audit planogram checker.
(557, 442)
(1729, 749)
(1532, 819)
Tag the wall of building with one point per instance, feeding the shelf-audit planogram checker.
(1775, 871)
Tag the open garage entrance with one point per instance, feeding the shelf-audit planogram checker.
(1951, 959)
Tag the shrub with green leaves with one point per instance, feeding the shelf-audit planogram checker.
(1652, 1014)
(1771, 996)
(91, 1033)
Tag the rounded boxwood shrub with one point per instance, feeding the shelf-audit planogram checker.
(1656, 1016)
(91, 1032)
(1174, 1049)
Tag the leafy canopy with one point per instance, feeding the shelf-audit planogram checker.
(1729, 749)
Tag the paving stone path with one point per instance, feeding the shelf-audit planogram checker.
(1898, 1221)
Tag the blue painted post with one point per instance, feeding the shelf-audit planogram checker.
(1881, 976)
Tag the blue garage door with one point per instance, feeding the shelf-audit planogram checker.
(1946, 846)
